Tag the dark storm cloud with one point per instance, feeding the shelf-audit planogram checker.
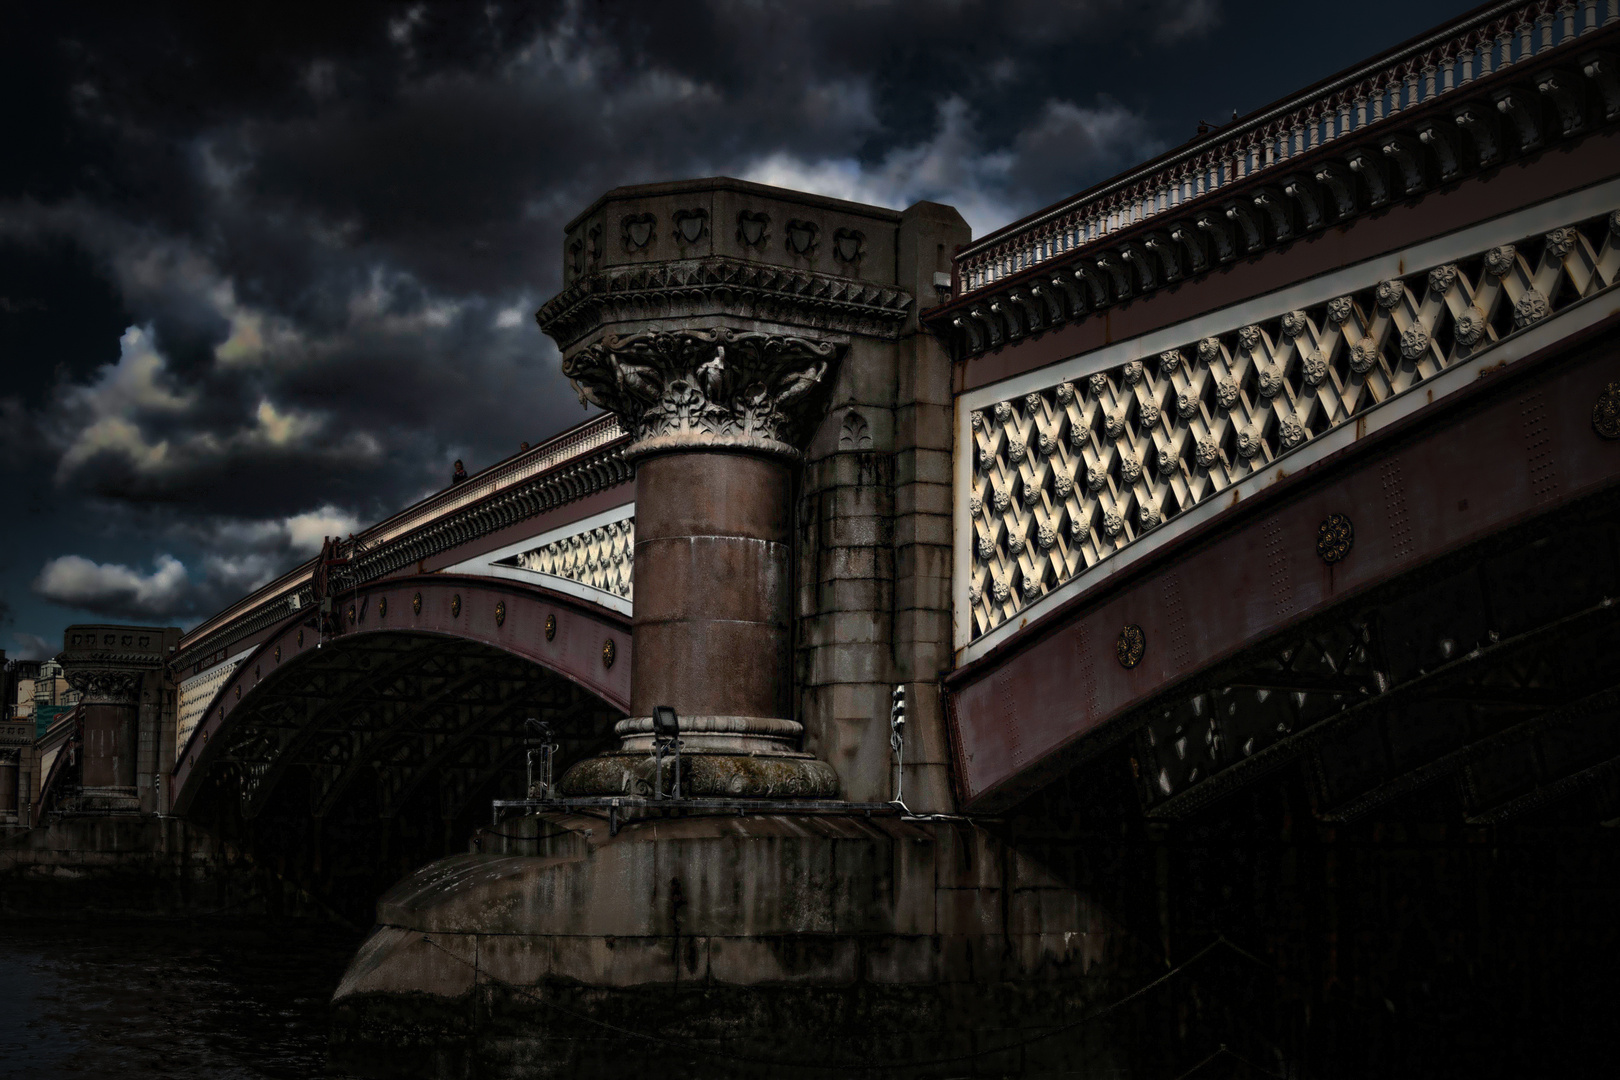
(266, 269)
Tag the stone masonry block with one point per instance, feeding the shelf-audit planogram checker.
(920, 626)
(927, 466)
(921, 660)
(922, 498)
(922, 560)
(856, 594)
(917, 591)
(924, 371)
(859, 627)
(853, 531)
(849, 664)
(850, 562)
(923, 528)
(863, 471)
(923, 426)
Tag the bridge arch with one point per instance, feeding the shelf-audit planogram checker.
(384, 742)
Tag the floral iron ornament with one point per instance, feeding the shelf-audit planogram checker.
(697, 388)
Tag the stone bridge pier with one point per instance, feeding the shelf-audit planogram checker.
(791, 430)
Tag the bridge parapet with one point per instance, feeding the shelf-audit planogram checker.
(581, 462)
(1491, 87)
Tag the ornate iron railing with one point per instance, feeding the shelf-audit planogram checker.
(1449, 59)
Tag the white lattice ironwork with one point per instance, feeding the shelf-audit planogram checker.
(600, 558)
(197, 691)
(1068, 475)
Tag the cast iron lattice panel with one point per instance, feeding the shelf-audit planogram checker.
(602, 558)
(1069, 475)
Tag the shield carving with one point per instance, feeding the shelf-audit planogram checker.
(801, 236)
(751, 228)
(690, 225)
(847, 244)
(638, 231)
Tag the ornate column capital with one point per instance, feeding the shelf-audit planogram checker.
(699, 389)
(106, 686)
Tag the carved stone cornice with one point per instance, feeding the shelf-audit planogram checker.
(719, 285)
(106, 686)
(692, 389)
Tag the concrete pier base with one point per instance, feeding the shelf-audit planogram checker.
(757, 946)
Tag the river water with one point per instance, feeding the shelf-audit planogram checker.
(141, 1000)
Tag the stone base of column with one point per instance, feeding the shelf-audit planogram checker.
(710, 769)
(752, 757)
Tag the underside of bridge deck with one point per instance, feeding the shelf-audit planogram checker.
(375, 753)
(1404, 809)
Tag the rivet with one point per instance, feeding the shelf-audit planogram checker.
(1334, 538)
(1131, 646)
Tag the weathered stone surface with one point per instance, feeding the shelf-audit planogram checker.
(760, 941)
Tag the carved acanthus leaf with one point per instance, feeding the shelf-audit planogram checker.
(719, 387)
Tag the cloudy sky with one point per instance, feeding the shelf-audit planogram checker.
(267, 270)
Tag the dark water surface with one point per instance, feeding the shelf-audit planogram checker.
(142, 1000)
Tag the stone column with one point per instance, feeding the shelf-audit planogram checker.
(718, 417)
(111, 722)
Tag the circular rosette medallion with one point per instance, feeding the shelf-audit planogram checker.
(610, 653)
(1131, 646)
(1334, 537)
(551, 627)
(1606, 413)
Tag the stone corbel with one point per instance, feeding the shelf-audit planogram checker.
(1371, 170)
(992, 325)
(1407, 153)
(1135, 256)
(1087, 273)
(1112, 264)
(689, 389)
(1011, 316)
(1302, 189)
(1564, 90)
(1189, 239)
(1481, 126)
(1160, 244)
(1066, 284)
(1049, 303)
(969, 329)
(1599, 67)
(1441, 138)
(1270, 201)
(1341, 185)
(1243, 217)
(1520, 111)
(1220, 233)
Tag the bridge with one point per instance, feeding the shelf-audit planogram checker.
(1269, 489)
